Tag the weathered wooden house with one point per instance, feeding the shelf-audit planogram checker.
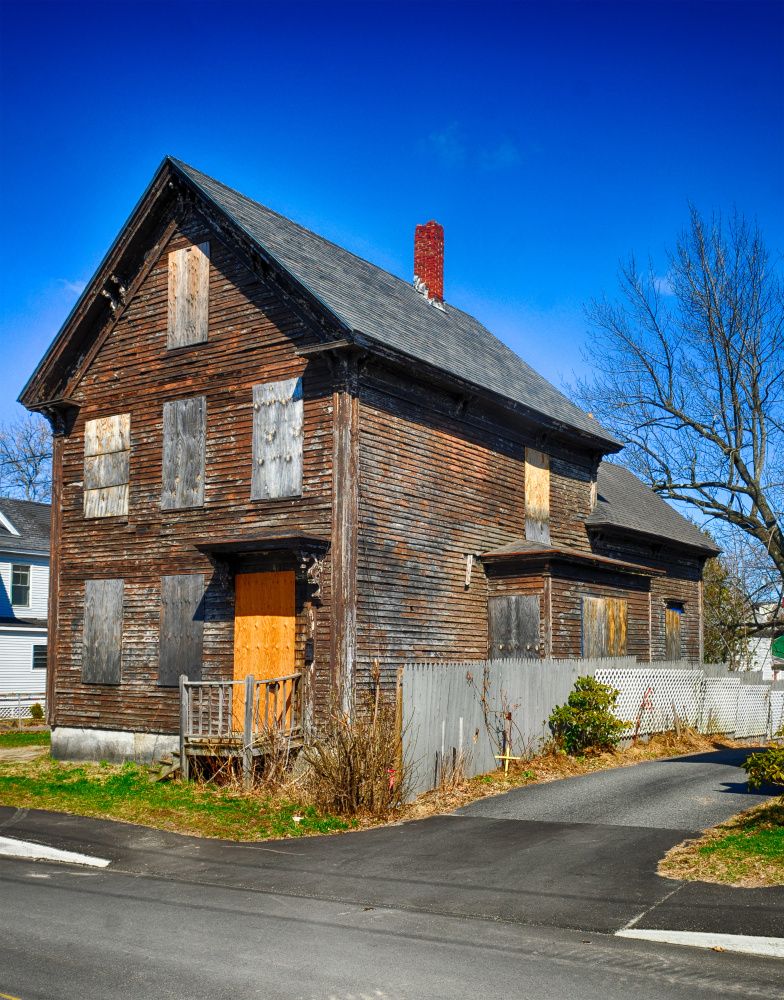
(272, 456)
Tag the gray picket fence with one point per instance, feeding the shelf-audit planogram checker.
(468, 714)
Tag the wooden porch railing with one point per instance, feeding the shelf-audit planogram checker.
(238, 716)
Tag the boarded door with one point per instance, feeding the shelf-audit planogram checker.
(513, 626)
(264, 630)
(672, 623)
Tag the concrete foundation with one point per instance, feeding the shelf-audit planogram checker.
(114, 745)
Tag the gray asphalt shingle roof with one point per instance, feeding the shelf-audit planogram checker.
(32, 521)
(383, 307)
(625, 502)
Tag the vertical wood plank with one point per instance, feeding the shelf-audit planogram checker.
(188, 305)
(537, 496)
(183, 465)
(278, 415)
(102, 634)
(672, 627)
(594, 615)
(181, 641)
(616, 611)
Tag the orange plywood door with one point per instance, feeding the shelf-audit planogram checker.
(264, 629)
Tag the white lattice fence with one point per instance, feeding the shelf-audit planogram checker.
(720, 704)
(776, 718)
(14, 705)
(654, 696)
(753, 704)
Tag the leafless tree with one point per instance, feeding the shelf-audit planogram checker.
(26, 459)
(688, 371)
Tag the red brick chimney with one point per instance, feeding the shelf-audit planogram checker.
(429, 260)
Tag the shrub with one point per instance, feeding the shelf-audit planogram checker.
(354, 762)
(36, 712)
(765, 768)
(586, 721)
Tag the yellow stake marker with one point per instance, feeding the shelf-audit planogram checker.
(506, 757)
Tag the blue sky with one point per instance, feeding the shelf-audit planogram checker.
(550, 139)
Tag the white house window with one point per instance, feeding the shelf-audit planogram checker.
(39, 657)
(20, 586)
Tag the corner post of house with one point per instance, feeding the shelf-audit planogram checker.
(60, 421)
(345, 518)
(184, 768)
(247, 737)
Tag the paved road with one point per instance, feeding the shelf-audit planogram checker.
(693, 792)
(453, 906)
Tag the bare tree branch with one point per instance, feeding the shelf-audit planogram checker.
(26, 459)
(689, 374)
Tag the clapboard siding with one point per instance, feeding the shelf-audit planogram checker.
(568, 590)
(252, 341)
(17, 675)
(39, 585)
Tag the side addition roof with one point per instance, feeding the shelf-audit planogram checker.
(31, 520)
(625, 503)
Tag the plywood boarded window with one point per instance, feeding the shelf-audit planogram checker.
(107, 464)
(189, 291)
(184, 435)
(102, 635)
(672, 628)
(513, 626)
(604, 626)
(537, 496)
(182, 628)
(277, 440)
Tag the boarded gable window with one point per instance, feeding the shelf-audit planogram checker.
(189, 290)
(604, 626)
(182, 628)
(277, 440)
(672, 628)
(102, 636)
(107, 462)
(537, 496)
(184, 433)
(513, 626)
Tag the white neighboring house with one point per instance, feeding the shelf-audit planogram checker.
(760, 655)
(24, 595)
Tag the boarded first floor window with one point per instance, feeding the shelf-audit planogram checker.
(182, 628)
(672, 629)
(39, 657)
(513, 626)
(604, 621)
(102, 636)
(20, 586)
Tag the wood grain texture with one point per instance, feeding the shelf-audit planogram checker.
(264, 629)
(513, 626)
(537, 496)
(102, 632)
(184, 435)
(278, 416)
(617, 619)
(189, 288)
(107, 470)
(182, 628)
(672, 626)
(594, 627)
(109, 502)
(106, 435)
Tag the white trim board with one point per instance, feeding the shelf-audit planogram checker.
(771, 947)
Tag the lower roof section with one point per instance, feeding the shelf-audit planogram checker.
(263, 542)
(537, 553)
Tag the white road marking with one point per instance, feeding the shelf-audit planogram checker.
(39, 852)
(771, 947)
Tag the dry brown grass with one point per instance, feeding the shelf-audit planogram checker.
(551, 765)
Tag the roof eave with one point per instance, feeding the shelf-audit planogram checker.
(707, 550)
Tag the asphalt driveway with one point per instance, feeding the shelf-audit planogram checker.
(677, 793)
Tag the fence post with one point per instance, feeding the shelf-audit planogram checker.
(19, 710)
(247, 740)
(184, 768)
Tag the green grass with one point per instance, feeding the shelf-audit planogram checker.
(124, 793)
(746, 850)
(23, 739)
